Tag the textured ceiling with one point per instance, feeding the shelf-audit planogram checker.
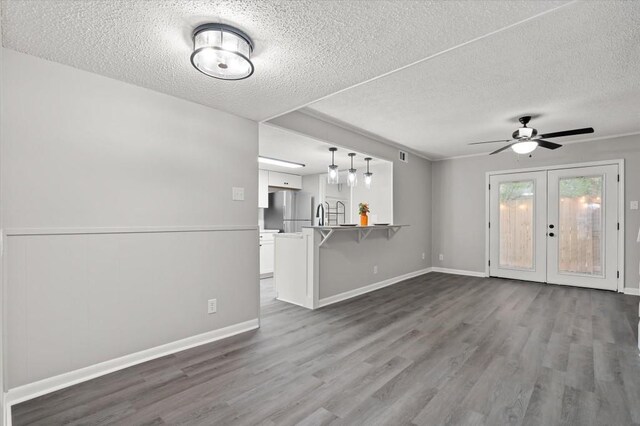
(577, 66)
(305, 49)
(285, 145)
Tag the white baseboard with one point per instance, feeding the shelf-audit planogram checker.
(369, 288)
(632, 291)
(6, 410)
(458, 272)
(51, 384)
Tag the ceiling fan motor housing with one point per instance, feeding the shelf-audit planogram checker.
(524, 133)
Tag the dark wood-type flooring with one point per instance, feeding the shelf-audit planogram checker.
(437, 349)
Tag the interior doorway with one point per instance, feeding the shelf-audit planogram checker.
(559, 226)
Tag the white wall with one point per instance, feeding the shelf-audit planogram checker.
(346, 265)
(459, 199)
(88, 164)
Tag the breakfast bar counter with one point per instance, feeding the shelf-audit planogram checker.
(362, 232)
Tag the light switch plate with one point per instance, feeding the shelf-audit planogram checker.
(634, 205)
(237, 194)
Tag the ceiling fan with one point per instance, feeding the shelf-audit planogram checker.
(526, 139)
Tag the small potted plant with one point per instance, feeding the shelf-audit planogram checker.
(363, 208)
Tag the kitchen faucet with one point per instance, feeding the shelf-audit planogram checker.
(320, 218)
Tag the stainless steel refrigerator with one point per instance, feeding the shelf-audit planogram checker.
(289, 211)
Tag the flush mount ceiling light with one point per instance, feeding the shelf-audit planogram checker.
(281, 163)
(352, 177)
(368, 176)
(332, 171)
(222, 51)
(524, 147)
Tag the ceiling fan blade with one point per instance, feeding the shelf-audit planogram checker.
(548, 145)
(478, 143)
(502, 149)
(567, 133)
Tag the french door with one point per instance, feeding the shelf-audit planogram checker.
(557, 226)
(518, 226)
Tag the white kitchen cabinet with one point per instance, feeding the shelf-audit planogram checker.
(267, 254)
(263, 189)
(285, 180)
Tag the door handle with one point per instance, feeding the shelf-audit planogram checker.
(551, 234)
(551, 226)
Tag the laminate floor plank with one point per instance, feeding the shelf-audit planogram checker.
(433, 350)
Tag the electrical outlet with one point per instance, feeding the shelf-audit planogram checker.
(212, 306)
(634, 205)
(441, 256)
(423, 256)
(375, 269)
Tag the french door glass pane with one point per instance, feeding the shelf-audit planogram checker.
(516, 224)
(580, 227)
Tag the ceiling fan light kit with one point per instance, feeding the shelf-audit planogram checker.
(524, 147)
(525, 140)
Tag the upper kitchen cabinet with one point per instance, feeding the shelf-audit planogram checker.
(263, 189)
(285, 180)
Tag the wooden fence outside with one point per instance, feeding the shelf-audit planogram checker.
(579, 235)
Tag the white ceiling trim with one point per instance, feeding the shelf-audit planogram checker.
(419, 61)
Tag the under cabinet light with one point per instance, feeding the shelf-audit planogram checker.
(281, 163)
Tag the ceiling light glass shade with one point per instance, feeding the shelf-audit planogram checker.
(222, 51)
(332, 175)
(281, 163)
(368, 177)
(352, 178)
(524, 147)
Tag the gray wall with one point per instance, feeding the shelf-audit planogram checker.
(346, 265)
(459, 199)
(85, 152)
(378, 196)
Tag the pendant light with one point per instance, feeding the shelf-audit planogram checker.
(222, 51)
(368, 176)
(332, 171)
(352, 177)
